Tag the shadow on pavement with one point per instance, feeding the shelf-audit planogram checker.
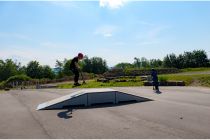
(65, 114)
(68, 113)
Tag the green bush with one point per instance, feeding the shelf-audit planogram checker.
(2, 85)
(18, 78)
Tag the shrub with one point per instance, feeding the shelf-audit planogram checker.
(2, 85)
(18, 78)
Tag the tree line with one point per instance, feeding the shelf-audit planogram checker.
(194, 59)
(94, 65)
(9, 68)
(34, 70)
(97, 65)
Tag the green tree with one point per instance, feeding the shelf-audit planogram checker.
(87, 65)
(173, 60)
(201, 58)
(167, 62)
(180, 61)
(34, 70)
(137, 62)
(66, 68)
(189, 60)
(59, 68)
(99, 65)
(196, 58)
(94, 65)
(154, 63)
(59, 64)
(144, 62)
(21, 69)
(124, 65)
(7, 69)
(47, 72)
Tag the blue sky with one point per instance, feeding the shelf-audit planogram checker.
(115, 30)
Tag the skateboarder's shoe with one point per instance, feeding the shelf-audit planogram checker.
(77, 84)
(158, 92)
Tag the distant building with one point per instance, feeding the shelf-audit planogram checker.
(56, 70)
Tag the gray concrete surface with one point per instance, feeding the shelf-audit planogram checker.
(179, 112)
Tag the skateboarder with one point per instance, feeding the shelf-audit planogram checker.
(74, 67)
(155, 80)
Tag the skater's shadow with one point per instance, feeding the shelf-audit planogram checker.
(158, 92)
(65, 114)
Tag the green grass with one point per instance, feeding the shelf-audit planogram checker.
(205, 81)
(95, 84)
(162, 79)
(194, 69)
(2, 91)
(199, 80)
(190, 80)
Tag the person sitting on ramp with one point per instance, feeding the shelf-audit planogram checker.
(74, 67)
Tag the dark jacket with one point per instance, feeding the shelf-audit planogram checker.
(154, 76)
(72, 65)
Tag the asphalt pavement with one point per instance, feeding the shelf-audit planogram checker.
(178, 112)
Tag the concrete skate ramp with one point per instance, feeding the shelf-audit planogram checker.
(89, 97)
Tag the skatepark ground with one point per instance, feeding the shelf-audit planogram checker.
(178, 112)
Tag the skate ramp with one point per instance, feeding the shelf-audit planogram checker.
(90, 97)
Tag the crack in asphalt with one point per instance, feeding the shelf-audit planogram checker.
(28, 109)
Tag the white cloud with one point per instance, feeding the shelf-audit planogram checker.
(112, 4)
(105, 30)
